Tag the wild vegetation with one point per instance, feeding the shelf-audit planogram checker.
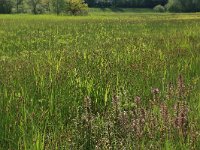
(117, 81)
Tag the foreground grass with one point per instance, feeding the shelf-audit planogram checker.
(116, 81)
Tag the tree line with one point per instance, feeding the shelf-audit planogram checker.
(126, 3)
(80, 6)
(183, 5)
(167, 5)
(43, 6)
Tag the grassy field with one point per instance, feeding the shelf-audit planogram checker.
(104, 81)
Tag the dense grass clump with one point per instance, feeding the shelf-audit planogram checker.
(119, 81)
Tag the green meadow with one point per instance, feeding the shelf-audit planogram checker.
(110, 80)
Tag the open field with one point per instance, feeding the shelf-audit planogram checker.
(106, 81)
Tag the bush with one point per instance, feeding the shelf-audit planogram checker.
(159, 8)
(77, 7)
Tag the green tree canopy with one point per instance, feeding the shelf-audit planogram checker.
(5, 6)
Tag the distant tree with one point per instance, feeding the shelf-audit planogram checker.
(183, 5)
(159, 2)
(5, 6)
(18, 3)
(128, 3)
(90, 3)
(34, 5)
(174, 6)
(77, 7)
(46, 5)
(58, 6)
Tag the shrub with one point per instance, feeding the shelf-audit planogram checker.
(159, 8)
(77, 7)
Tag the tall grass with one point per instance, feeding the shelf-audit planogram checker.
(108, 82)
